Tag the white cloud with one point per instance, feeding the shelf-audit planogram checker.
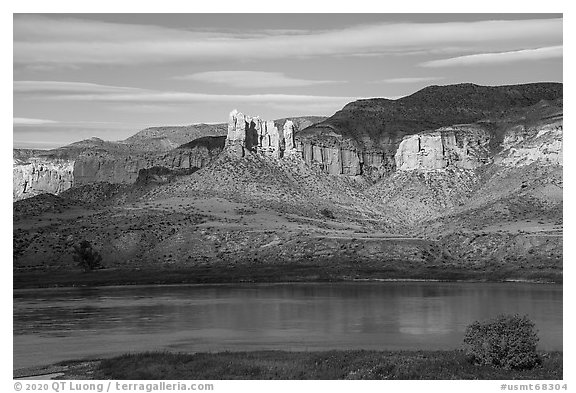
(26, 121)
(20, 144)
(251, 79)
(56, 87)
(26, 124)
(411, 79)
(152, 96)
(57, 40)
(550, 52)
(77, 91)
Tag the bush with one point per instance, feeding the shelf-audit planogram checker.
(86, 257)
(327, 213)
(507, 341)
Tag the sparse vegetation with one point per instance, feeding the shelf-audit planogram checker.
(86, 256)
(353, 364)
(507, 341)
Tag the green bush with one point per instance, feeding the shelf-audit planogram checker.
(86, 257)
(507, 341)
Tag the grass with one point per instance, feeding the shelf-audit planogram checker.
(296, 272)
(352, 364)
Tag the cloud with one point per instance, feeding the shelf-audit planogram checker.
(37, 144)
(58, 87)
(411, 79)
(550, 52)
(127, 99)
(65, 41)
(25, 124)
(251, 79)
(78, 91)
(25, 121)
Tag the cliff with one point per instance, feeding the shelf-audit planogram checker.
(364, 137)
(463, 146)
(45, 172)
(92, 167)
(35, 176)
(540, 144)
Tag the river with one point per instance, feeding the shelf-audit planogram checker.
(52, 325)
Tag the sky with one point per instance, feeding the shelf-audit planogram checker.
(77, 76)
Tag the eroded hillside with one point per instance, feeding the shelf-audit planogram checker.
(478, 200)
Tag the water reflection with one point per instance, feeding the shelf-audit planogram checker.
(285, 316)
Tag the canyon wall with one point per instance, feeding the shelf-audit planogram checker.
(468, 146)
(103, 167)
(334, 160)
(42, 172)
(463, 146)
(540, 144)
(34, 176)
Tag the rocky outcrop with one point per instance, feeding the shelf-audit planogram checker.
(252, 134)
(334, 160)
(37, 172)
(35, 176)
(95, 160)
(540, 144)
(372, 129)
(464, 147)
(288, 132)
(160, 175)
(103, 167)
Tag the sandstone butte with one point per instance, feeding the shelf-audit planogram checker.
(464, 146)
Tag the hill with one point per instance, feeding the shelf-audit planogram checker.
(480, 200)
(169, 137)
(176, 148)
(370, 130)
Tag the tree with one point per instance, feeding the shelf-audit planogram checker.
(507, 341)
(87, 257)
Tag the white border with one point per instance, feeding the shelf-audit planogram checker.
(299, 6)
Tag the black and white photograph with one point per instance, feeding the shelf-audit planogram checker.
(287, 196)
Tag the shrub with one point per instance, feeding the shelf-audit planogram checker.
(327, 213)
(86, 257)
(507, 341)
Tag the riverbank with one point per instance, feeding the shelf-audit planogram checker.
(352, 364)
(262, 273)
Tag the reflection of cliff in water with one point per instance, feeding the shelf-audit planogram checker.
(393, 315)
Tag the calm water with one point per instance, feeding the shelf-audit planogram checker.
(63, 324)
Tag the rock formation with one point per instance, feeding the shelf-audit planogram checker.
(334, 160)
(527, 145)
(94, 160)
(252, 134)
(371, 130)
(35, 176)
(289, 136)
(42, 172)
(464, 147)
(124, 169)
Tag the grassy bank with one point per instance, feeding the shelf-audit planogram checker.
(272, 273)
(311, 365)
